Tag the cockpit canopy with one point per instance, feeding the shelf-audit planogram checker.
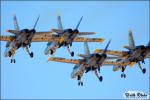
(25, 31)
(140, 47)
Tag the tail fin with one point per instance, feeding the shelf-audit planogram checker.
(36, 22)
(86, 49)
(16, 26)
(131, 40)
(106, 47)
(79, 23)
(59, 22)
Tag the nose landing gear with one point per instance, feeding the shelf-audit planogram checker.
(13, 61)
(80, 83)
(123, 75)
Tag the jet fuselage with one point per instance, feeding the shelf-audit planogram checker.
(23, 38)
(91, 63)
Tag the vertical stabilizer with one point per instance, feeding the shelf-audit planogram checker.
(59, 22)
(79, 23)
(131, 40)
(86, 49)
(16, 26)
(106, 47)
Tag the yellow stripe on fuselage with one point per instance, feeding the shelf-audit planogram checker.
(61, 40)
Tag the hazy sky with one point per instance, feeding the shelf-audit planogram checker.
(38, 79)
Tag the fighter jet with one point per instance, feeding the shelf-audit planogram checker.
(67, 37)
(90, 62)
(135, 54)
(22, 38)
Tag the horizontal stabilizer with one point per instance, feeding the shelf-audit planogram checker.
(57, 31)
(13, 31)
(129, 48)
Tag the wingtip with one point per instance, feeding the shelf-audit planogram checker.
(101, 40)
(50, 59)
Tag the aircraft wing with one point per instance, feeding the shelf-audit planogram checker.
(7, 38)
(13, 31)
(111, 52)
(86, 33)
(113, 63)
(43, 33)
(37, 33)
(110, 58)
(56, 59)
(80, 33)
(45, 38)
(82, 39)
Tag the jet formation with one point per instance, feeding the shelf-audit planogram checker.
(24, 38)
(60, 37)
